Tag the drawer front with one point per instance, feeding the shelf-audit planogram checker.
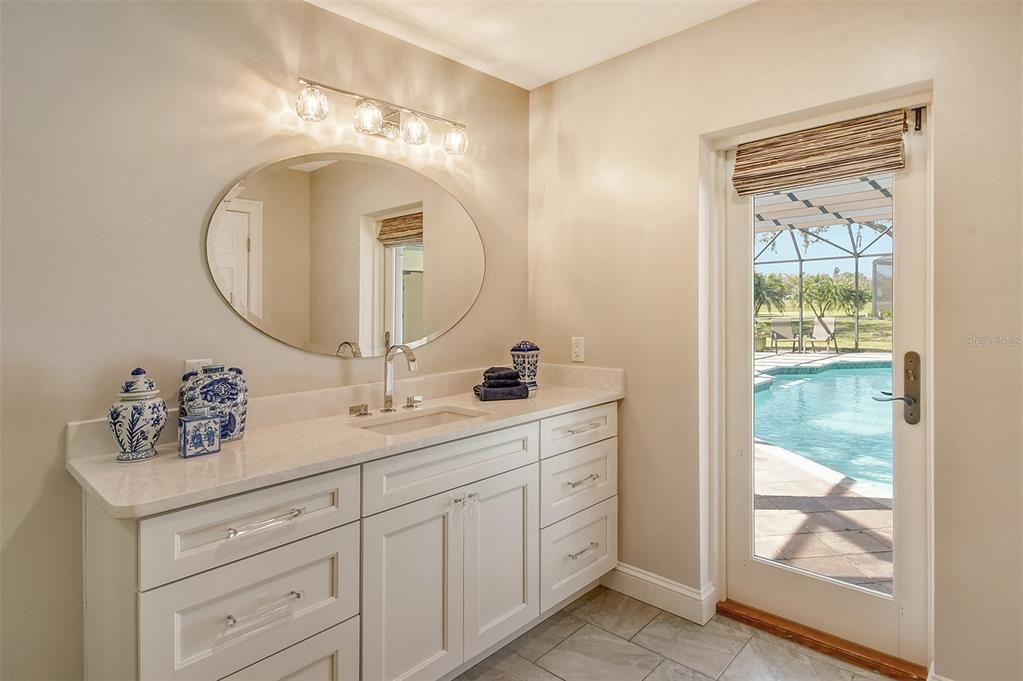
(577, 551)
(416, 475)
(183, 543)
(213, 624)
(578, 428)
(332, 655)
(577, 479)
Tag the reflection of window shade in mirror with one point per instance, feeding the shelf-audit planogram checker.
(401, 230)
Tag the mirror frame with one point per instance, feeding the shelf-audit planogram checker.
(320, 156)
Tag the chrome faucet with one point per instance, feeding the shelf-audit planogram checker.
(351, 345)
(410, 359)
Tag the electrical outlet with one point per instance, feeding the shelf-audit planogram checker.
(196, 364)
(578, 349)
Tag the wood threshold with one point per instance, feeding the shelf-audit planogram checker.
(862, 656)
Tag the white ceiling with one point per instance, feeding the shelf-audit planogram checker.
(530, 42)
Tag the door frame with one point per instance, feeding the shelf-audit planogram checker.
(713, 201)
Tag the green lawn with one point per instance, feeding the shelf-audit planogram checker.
(875, 334)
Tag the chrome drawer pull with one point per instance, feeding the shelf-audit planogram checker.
(593, 425)
(591, 476)
(264, 612)
(263, 525)
(593, 545)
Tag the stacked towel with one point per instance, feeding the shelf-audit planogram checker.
(501, 383)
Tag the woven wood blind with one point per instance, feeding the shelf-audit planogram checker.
(401, 230)
(851, 148)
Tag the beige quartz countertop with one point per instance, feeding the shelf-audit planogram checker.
(279, 453)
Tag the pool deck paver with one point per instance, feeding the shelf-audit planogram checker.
(811, 517)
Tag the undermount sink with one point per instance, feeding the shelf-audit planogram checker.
(418, 419)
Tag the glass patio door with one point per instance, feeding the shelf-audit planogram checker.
(826, 486)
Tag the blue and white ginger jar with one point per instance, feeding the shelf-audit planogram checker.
(218, 392)
(526, 360)
(138, 418)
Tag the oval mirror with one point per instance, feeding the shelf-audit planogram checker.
(343, 254)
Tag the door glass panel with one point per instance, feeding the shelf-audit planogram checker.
(823, 473)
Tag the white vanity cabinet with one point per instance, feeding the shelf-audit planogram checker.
(408, 566)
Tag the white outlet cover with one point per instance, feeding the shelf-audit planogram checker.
(196, 364)
(578, 349)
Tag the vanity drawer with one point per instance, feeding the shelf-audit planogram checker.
(186, 542)
(332, 655)
(577, 479)
(213, 624)
(416, 475)
(578, 428)
(577, 550)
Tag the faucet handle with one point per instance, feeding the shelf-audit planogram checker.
(413, 401)
(358, 410)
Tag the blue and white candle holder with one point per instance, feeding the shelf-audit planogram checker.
(198, 435)
(526, 360)
(138, 418)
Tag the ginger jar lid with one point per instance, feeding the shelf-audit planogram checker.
(138, 385)
(525, 346)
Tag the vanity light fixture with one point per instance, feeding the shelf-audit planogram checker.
(312, 105)
(368, 118)
(456, 140)
(414, 129)
(381, 119)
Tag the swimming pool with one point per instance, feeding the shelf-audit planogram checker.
(828, 417)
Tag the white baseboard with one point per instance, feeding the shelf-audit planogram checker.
(692, 604)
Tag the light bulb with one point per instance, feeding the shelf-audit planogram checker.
(391, 131)
(456, 140)
(368, 118)
(312, 105)
(414, 129)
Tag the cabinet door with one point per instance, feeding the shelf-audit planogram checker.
(502, 556)
(412, 591)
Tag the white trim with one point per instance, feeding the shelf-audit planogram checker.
(931, 676)
(696, 605)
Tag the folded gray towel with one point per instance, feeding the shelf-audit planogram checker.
(501, 382)
(485, 394)
(500, 373)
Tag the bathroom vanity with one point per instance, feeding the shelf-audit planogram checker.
(398, 546)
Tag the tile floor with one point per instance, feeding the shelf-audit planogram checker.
(607, 636)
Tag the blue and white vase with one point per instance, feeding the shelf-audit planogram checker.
(215, 391)
(526, 359)
(138, 418)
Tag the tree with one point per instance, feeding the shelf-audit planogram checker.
(822, 293)
(770, 291)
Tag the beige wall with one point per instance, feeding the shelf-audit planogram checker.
(614, 257)
(286, 239)
(122, 124)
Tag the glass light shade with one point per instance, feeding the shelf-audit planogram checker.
(312, 105)
(391, 131)
(414, 129)
(368, 118)
(456, 140)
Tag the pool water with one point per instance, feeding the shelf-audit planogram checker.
(829, 417)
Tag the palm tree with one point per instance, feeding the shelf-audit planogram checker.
(770, 291)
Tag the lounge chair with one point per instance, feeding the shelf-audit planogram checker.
(781, 330)
(823, 332)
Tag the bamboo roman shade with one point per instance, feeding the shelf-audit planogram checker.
(852, 148)
(401, 230)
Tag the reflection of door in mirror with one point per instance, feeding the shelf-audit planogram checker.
(234, 251)
(401, 237)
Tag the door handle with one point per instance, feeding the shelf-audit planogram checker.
(911, 388)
